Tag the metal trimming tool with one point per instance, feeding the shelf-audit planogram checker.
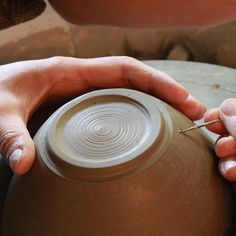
(199, 126)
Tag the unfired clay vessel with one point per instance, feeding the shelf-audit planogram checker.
(150, 13)
(112, 162)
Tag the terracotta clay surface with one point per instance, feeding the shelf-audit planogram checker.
(211, 44)
(149, 13)
(112, 162)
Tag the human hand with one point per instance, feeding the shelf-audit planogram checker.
(26, 85)
(225, 147)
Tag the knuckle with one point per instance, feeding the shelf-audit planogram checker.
(54, 70)
(7, 102)
(56, 60)
(126, 60)
(8, 140)
(127, 64)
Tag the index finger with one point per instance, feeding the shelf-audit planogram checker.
(74, 76)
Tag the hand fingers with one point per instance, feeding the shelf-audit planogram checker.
(218, 127)
(62, 77)
(191, 108)
(16, 146)
(227, 168)
(73, 76)
(226, 147)
(228, 115)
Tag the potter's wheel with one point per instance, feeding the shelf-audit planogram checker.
(210, 84)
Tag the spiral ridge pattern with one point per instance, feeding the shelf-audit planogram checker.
(105, 132)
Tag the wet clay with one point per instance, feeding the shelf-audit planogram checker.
(112, 162)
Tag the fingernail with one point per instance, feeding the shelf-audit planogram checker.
(228, 107)
(228, 169)
(228, 115)
(15, 157)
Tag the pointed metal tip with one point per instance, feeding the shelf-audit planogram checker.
(199, 126)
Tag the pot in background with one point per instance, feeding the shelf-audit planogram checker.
(112, 162)
(146, 14)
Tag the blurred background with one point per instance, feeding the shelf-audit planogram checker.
(50, 35)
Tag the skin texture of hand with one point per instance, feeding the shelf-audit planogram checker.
(225, 147)
(24, 86)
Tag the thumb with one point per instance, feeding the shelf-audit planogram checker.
(16, 145)
(228, 115)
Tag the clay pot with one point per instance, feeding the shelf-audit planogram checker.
(149, 13)
(112, 162)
